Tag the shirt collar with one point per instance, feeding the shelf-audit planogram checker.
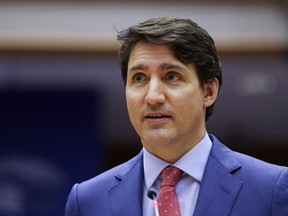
(192, 163)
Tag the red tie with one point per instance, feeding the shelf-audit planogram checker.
(167, 199)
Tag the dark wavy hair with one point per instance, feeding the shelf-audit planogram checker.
(188, 41)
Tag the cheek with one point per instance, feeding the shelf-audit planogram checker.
(133, 104)
(183, 97)
(188, 102)
(134, 96)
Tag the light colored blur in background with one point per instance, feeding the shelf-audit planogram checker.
(248, 28)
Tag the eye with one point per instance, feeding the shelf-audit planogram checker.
(172, 76)
(139, 78)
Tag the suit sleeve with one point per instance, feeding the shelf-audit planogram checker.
(280, 199)
(72, 208)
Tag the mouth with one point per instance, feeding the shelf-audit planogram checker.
(157, 116)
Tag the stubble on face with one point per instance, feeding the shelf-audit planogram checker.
(165, 104)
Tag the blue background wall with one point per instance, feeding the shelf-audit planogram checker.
(49, 140)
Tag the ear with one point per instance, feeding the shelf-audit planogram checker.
(211, 90)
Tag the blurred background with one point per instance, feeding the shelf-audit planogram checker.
(63, 117)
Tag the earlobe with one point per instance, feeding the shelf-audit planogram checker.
(211, 89)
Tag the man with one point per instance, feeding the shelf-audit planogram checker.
(172, 76)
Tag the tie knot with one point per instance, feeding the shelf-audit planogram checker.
(170, 176)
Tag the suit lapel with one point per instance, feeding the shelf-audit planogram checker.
(126, 196)
(219, 188)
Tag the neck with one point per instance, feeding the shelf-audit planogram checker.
(173, 152)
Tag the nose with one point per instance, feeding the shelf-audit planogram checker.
(155, 92)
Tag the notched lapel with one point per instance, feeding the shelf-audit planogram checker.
(219, 189)
(126, 196)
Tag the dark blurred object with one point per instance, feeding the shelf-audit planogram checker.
(49, 139)
(31, 185)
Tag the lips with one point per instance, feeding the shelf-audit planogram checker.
(156, 116)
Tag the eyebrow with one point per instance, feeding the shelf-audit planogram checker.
(137, 67)
(164, 66)
(169, 66)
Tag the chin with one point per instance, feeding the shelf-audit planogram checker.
(157, 137)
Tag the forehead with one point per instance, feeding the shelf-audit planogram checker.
(146, 53)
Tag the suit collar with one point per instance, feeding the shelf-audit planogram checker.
(124, 198)
(219, 188)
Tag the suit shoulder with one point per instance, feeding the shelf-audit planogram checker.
(246, 165)
(258, 171)
(109, 178)
(258, 165)
(92, 195)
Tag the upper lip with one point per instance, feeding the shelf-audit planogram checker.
(156, 115)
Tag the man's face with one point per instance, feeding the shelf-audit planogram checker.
(165, 101)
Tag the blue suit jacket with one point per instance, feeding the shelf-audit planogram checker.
(233, 184)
